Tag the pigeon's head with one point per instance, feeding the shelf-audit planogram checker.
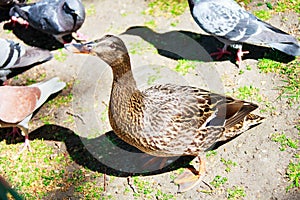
(109, 48)
(75, 9)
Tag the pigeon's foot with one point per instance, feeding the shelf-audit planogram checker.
(14, 132)
(19, 20)
(26, 146)
(190, 177)
(221, 52)
(239, 56)
(7, 82)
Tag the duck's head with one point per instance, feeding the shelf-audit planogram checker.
(109, 48)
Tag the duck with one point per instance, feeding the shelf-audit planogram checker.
(18, 103)
(233, 25)
(167, 120)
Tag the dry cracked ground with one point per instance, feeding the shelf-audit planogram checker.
(76, 156)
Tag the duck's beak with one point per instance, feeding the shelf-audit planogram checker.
(83, 48)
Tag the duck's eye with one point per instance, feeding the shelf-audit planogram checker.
(113, 46)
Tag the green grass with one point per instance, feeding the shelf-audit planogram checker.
(291, 74)
(35, 173)
(60, 55)
(141, 47)
(62, 100)
(228, 164)
(144, 188)
(262, 14)
(218, 181)
(246, 2)
(249, 93)
(211, 153)
(151, 24)
(284, 5)
(167, 8)
(185, 66)
(293, 173)
(163, 196)
(90, 10)
(284, 141)
(236, 192)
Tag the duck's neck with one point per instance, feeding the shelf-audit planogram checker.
(122, 74)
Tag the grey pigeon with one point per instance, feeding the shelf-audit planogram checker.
(14, 56)
(59, 18)
(17, 103)
(233, 25)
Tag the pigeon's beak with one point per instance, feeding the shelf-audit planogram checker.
(85, 48)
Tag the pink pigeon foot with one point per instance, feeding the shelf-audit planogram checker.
(26, 145)
(221, 52)
(14, 132)
(239, 55)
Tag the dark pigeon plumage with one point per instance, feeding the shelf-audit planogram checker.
(14, 56)
(59, 18)
(232, 24)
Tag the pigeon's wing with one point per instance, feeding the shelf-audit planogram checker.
(10, 52)
(225, 19)
(15, 55)
(16, 103)
(48, 88)
(32, 56)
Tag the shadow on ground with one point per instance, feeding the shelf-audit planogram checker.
(192, 46)
(110, 155)
(33, 37)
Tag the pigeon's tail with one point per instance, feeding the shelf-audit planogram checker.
(278, 39)
(47, 88)
(288, 48)
(33, 56)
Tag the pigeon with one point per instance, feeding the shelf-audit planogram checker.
(59, 18)
(14, 56)
(233, 25)
(17, 104)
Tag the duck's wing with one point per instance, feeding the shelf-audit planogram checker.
(193, 112)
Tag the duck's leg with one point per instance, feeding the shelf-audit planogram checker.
(190, 177)
(221, 52)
